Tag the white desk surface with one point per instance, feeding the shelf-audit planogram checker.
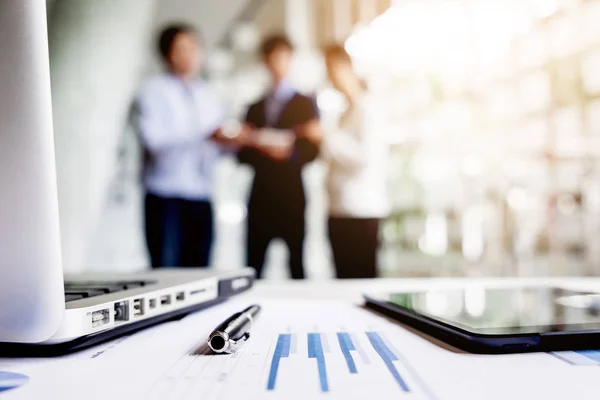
(564, 381)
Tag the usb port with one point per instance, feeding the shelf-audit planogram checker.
(165, 300)
(152, 303)
(122, 311)
(180, 296)
(100, 317)
(138, 307)
(197, 291)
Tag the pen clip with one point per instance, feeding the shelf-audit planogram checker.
(234, 345)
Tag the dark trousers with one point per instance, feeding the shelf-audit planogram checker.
(179, 233)
(263, 229)
(354, 243)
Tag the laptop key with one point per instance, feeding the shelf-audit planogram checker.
(72, 297)
(133, 285)
(103, 288)
(86, 293)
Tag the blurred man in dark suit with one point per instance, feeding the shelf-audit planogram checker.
(285, 122)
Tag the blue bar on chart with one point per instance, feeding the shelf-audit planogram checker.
(315, 350)
(390, 346)
(388, 358)
(580, 357)
(346, 345)
(282, 350)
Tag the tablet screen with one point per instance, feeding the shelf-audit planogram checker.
(505, 311)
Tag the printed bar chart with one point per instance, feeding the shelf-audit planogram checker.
(346, 345)
(310, 358)
(348, 352)
(282, 350)
(388, 358)
(315, 350)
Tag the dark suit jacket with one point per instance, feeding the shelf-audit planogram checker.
(278, 186)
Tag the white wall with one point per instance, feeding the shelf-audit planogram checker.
(97, 50)
(213, 18)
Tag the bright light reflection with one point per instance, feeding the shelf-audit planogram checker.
(435, 240)
(438, 36)
(331, 101)
(232, 213)
(436, 303)
(519, 199)
(472, 234)
(544, 8)
(475, 299)
(472, 166)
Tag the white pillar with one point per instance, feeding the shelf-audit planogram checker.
(367, 10)
(97, 49)
(299, 23)
(342, 19)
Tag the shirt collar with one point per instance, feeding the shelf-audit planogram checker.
(194, 82)
(283, 91)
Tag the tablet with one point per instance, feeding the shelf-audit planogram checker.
(499, 320)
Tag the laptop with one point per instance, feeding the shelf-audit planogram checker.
(42, 311)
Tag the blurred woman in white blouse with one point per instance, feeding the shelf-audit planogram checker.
(356, 151)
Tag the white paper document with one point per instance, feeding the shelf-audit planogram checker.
(299, 350)
(275, 137)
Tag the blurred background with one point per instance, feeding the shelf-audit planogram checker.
(495, 131)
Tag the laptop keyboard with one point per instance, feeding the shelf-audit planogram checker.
(85, 290)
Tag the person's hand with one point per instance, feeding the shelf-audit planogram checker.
(310, 131)
(245, 137)
(234, 134)
(276, 153)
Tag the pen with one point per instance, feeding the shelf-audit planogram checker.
(231, 333)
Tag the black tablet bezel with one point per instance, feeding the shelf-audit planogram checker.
(479, 343)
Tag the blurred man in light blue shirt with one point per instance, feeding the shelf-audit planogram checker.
(180, 123)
